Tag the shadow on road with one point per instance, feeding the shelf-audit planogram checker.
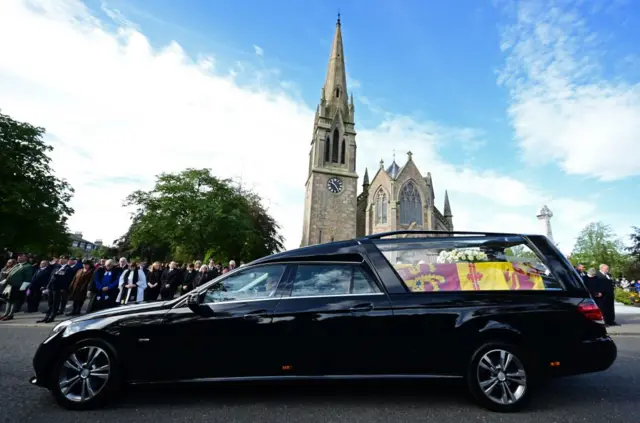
(558, 394)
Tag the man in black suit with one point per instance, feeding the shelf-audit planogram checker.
(39, 282)
(580, 270)
(59, 282)
(605, 286)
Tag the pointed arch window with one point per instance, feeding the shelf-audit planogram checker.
(327, 149)
(381, 207)
(342, 151)
(335, 146)
(338, 92)
(410, 205)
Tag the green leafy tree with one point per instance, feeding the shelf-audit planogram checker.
(634, 249)
(192, 214)
(34, 203)
(597, 244)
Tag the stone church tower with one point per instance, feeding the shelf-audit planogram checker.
(332, 182)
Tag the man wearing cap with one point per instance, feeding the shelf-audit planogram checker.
(19, 278)
(61, 277)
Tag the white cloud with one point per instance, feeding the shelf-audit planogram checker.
(259, 51)
(119, 112)
(562, 109)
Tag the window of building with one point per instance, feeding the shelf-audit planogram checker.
(467, 264)
(327, 150)
(331, 279)
(381, 207)
(342, 152)
(335, 146)
(74, 244)
(410, 205)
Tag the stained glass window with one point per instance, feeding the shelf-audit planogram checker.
(410, 205)
(381, 207)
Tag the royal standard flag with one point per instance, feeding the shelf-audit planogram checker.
(478, 276)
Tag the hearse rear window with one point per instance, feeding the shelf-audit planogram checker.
(467, 264)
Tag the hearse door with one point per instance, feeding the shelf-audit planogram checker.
(333, 321)
(233, 335)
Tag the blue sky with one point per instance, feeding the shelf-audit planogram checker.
(509, 104)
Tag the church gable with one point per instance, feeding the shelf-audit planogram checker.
(410, 172)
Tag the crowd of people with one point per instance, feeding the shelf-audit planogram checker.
(103, 284)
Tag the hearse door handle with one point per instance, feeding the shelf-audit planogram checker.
(361, 308)
(255, 315)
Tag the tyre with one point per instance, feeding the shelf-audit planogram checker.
(499, 377)
(86, 376)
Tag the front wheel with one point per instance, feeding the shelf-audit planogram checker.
(86, 376)
(498, 377)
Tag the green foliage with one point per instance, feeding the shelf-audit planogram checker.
(597, 244)
(520, 251)
(105, 252)
(627, 298)
(78, 253)
(192, 214)
(34, 207)
(634, 249)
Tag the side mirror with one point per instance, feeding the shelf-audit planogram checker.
(194, 302)
(193, 299)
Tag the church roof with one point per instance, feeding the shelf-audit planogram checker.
(393, 170)
(335, 85)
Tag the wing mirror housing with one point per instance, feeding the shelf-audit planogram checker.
(194, 302)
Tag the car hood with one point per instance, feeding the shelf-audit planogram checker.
(123, 310)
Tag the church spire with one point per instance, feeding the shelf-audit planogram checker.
(447, 206)
(335, 86)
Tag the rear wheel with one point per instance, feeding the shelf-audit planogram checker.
(86, 376)
(498, 377)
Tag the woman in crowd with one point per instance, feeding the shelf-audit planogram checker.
(132, 284)
(593, 284)
(79, 287)
(202, 277)
(154, 281)
(6, 269)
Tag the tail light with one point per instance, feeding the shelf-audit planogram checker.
(591, 311)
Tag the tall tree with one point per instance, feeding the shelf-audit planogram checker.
(195, 213)
(35, 204)
(634, 249)
(597, 244)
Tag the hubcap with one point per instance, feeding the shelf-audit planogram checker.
(84, 373)
(502, 377)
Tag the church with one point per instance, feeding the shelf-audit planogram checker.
(397, 197)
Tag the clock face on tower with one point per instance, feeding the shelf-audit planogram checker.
(335, 185)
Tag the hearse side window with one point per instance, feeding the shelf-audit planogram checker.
(475, 263)
(331, 279)
(251, 283)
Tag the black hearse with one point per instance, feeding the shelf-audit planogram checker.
(499, 311)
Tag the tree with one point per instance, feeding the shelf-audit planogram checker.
(193, 213)
(34, 207)
(597, 244)
(634, 249)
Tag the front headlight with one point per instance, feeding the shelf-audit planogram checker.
(57, 329)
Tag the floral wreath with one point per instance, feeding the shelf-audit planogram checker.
(456, 256)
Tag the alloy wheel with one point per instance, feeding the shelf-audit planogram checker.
(502, 377)
(84, 374)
